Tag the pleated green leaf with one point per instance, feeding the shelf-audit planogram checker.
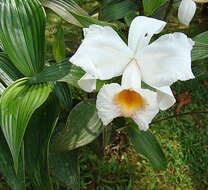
(2, 87)
(117, 9)
(200, 50)
(1, 47)
(18, 102)
(36, 140)
(52, 73)
(63, 93)
(65, 167)
(8, 72)
(86, 21)
(22, 32)
(82, 127)
(16, 182)
(73, 13)
(64, 8)
(59, 51)
(146, 144)
(151, 5)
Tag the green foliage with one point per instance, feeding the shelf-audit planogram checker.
(71, 12)
(17, 182)
(52, 73)
(22, 32)
(117, 9)
(65, 167)
(36, 140)
(59, 45)
(146, 144)
(200, 50)
(29, 115)
(18, 102)
(8, 72)
(64, 8)
(63, 93)
(82, 127)
(73, 76)
(151, 5)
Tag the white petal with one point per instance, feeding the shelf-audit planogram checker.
(131, 77)
(141, 31)
(143, 117)
(165, 97)
(87, 83)
(102, 53)
(107, 109)
(186, 11)
(167, 60)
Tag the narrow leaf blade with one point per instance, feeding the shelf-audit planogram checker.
(52, 73)
(36, 140)
(59, 51)
(145, 143)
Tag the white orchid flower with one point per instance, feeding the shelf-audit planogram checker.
(103, 55)
(127, 100)
(187, 10)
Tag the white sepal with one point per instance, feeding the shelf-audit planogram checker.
(165, 97)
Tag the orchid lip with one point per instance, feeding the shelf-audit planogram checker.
(129, 101)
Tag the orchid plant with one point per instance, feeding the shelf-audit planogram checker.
(103, 55)
(41, 128)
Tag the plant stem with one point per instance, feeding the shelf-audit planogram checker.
(178, 115)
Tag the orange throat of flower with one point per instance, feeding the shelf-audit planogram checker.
(129, 101)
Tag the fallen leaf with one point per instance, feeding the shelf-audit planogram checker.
(205, 83)
(183, 99)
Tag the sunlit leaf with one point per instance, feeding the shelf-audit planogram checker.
(36, 140)
(22, 32)
(59, 45)
(65, 167)
(200, 50)
(16, 182)
(145, 143)
(82, 127)
(18, 102)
